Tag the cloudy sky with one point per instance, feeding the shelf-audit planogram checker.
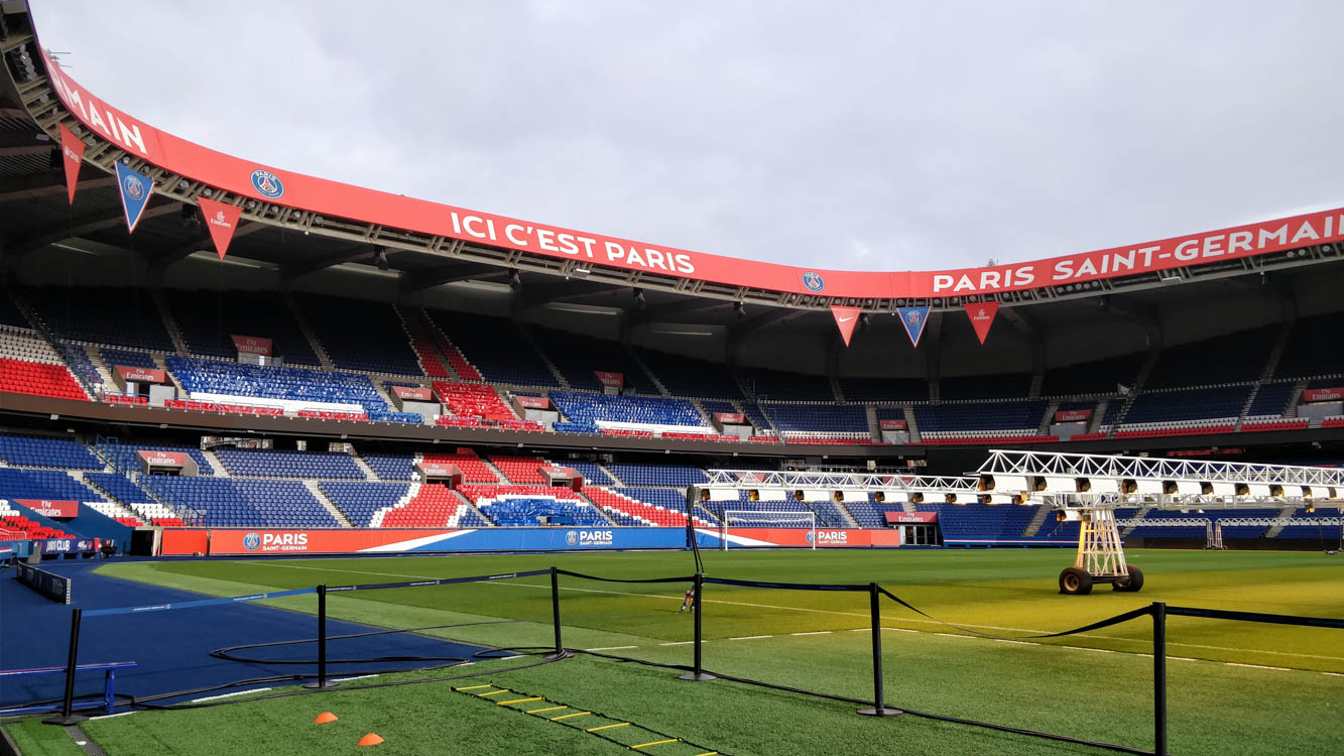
(872, 136)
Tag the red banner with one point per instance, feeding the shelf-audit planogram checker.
(892, 424)
(48, 508)
(533, 402)
(802, 537)
(1322, 394)
(982, 317)
(413, 393)
(72, 155)
(610, 379)
(1073, 415)
(910, 518)
(730, 418)
(155, 458)
(439, 470)
(221, 220)
(846, 319)
(252, 345)
(337, 200)
(139, 374)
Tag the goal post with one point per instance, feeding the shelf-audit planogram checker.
(755, 518)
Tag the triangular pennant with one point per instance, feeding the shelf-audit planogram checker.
(222, 220)
(914, 319)
(982, 317)
(846, 318)
(72, 155)
(136, 189)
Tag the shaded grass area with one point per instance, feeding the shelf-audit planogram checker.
(36, 739)
(1096, 686)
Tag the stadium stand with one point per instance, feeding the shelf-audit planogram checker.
(359, 502)
(1100, 377)
(39, 451)
(496, 347)
(102, 316)
(818, 420)
(658, 475)
(360, 335)
(885, 389)
(125, 456)
(984, 387)
(1312, 348)
(474, 469)
(1226, 359)
(390, 466)
(780, 386)
(688, 377)
(577, 357)
(209, 320)
(29, 365)
(289, 464)
(591, 412)
(245, 503)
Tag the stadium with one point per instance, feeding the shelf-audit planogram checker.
(293, 466)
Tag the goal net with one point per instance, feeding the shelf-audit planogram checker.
(739, 518)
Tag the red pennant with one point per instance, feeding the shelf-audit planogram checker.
(982, 317)
(222, 220)
(846, 318)
(72, 154)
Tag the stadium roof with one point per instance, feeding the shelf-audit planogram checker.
(299, 225)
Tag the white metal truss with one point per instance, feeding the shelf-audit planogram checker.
(963, 488)
(1100, 552)
(1090, 481)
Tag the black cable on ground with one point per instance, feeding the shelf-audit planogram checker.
(227, 652)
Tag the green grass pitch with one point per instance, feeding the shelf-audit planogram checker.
(1234, 688)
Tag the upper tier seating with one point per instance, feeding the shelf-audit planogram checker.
(118, 317)
(1195, 404)
(10, 314)
(289, 464)
(40, 451)
(243, 503)
(849, 419)
(479, 400)
(980, 417)
(587, 410)
(1008, 386)
(28, 365)
(53, 485)
(658, 475)
(126, 456)
(496, 347)
(780, 386)
(209, 320)
(77, 359)
(684, 376)
(128, 357)
(1271, 399)
(885, 389)
(1100, 377)
(359, 335)
(1313, 348)
(870, 514)
(1225, 359)
(576, 357)
(295, 387)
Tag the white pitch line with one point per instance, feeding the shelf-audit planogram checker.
(751, 637)
(229, 695)
(352, 679)
(610, 648)
(1256, 666)
(833, 612)
(113, 716)
(814, 632)
(679, 643)
(1334, 674)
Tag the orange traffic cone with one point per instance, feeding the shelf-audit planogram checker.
(371, 739)
(325, 717)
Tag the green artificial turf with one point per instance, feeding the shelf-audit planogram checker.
(36, 739)
(1094, 686)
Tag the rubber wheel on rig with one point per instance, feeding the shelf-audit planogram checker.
(1075, 582)
(1133, 583)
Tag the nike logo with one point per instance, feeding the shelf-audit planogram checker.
(844, 320)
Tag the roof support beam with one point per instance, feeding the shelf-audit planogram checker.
(354, 253)
(88, 224)
(49, 184)
(412, 283)
(164, 259)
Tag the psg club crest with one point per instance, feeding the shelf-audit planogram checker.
(135, 188)
(267, 184)
(813, 281)
(914, 319)
(251, 541)
(571, 538)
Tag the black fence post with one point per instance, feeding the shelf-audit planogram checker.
(321, 638)
(68, 715)
(697, 673)
(1159, 678)
(879, 708)
(559, 652)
